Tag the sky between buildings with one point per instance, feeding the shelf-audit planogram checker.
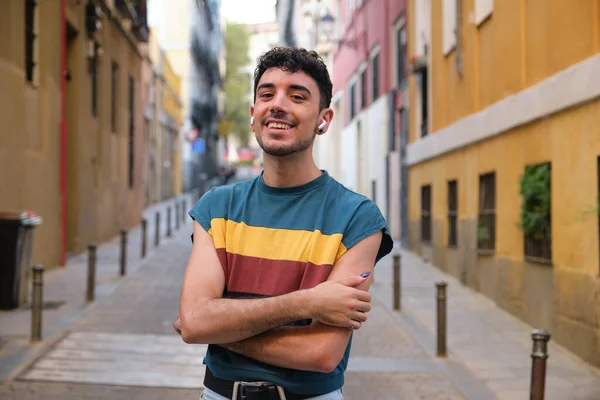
(248, 11)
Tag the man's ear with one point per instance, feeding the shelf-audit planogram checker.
(325, 115)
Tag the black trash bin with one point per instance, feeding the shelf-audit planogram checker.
(16, 231)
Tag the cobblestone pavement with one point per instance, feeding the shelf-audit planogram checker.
(392, 355)
(491, 344)
(386, 362)
(65, 287)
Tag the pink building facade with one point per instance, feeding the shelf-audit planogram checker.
(369, 84)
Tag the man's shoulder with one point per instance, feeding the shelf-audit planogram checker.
(350, 201)
(216, 202)
(219, 194)
(361, 217)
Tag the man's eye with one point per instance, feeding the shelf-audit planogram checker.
(266, 95)
(298, 97)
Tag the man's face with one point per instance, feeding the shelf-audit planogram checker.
(286, 112)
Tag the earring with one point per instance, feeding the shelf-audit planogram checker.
(251, 120)
(322, 125)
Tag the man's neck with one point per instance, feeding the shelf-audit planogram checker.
(289, 171)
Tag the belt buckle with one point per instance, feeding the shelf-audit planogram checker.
(240, 387)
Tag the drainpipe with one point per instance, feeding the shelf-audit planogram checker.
(459, 62)
(63, 132)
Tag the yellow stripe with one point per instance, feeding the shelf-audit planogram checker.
(276, 244)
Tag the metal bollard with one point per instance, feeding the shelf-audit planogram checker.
(157, 230)
(169, 221)
(144, 236)
(91, 282)
(183, 211)
(397, 282)
(539, 355)
(441, 319)
(176, 216)
(37, 302)
(123, 252)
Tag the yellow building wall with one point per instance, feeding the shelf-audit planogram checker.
(171, 96)
(180, 61)
(99, 200)
(30, 117)
(521, 44)
(574, 172)
(173, 106)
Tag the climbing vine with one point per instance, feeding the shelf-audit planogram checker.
(537, 200)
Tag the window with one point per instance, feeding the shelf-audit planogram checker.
(30, 36)
(351, 4)
(422, 78)
(486, 226)
(352, 100)
(483, 9)
(400, 54)
(363, 89)
(94, 80)
(113, 94)
(426, 213)
(375, 75)
(449, 22)
(536, 212)
(374, 190)
(452, 212)
(131, 129)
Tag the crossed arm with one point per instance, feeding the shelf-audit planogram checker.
(256, 327)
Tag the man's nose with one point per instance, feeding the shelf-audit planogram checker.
(279, 103)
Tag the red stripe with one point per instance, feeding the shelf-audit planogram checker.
(222, 253)
(270, 277)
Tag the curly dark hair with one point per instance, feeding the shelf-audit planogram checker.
(292, 59)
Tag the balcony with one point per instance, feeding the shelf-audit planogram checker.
(136, 11)
(127, 8)
(140, 24)
(206, 59)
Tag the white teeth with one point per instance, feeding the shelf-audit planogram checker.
(277, 125)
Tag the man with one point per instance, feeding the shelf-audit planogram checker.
(278, 276)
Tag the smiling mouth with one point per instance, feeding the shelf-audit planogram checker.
(278, 125)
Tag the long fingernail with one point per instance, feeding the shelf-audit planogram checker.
(365, 274)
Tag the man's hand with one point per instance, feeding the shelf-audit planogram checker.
(339, 303)
(319, 346)
(336, 303)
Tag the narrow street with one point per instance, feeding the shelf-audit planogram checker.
(123, 345)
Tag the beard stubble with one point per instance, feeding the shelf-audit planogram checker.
(282, 151)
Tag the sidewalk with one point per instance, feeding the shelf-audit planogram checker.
(64, 289)
(491, 344)
(123, 345)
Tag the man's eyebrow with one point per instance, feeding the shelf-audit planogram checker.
(300, 87)
(267, 85)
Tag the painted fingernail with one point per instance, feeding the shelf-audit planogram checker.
(365, 274)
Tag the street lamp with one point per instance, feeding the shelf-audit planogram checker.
(327, 26)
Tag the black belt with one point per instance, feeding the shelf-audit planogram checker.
(251, 392)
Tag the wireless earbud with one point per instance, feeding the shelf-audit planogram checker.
(251, 120)
(320, 127)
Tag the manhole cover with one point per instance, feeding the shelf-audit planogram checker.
(49, 305)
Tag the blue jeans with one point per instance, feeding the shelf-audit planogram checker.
(336, 395)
